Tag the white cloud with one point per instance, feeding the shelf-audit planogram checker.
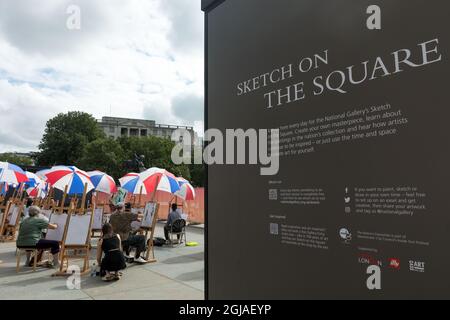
(132, 58)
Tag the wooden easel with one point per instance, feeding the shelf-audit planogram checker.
(9, 229)
(94, 229)
(149, 240)
(4, 209)
(77, 251)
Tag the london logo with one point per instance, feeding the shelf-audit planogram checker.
(365, 258)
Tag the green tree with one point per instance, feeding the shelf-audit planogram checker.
(105, 155)
(156, 151)
(16, 159)
(65, 138)
(198, 175)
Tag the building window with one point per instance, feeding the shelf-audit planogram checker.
(124, 131)
(134, 132)
(112, 129)
(143, 132)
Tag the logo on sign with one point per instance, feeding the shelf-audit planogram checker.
(345, 235)
(365, 258)
(394, 263)
(416, 266)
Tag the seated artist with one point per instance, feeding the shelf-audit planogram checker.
(121, 223)
(113, 261)
(30, 233)
(28, 205)
(174, 215)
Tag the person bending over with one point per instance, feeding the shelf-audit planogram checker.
(174, 215)
(113, 261)
(121, 224)
(30, 233)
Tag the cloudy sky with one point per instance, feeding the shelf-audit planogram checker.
(133, 58)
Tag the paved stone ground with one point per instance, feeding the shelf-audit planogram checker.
(178, 274)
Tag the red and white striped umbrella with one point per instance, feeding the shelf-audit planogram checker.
(102, 182)
(35, 187)
(187, 191)
(75, 179)
(12, 174)
(156, 179)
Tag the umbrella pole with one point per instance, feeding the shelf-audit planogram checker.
(156, 188)
(140, 196)
(83, 199)
(21, 191)
(63, 200)
(14, 194)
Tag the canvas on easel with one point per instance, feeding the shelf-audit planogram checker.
(76, 241)
(98, 219)
(11, 225)
(3, 214)
(150, 231)
(47, 212)
(149, 211)
(77, 237)
(60, 219)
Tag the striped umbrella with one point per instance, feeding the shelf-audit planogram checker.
(186, 191)
(12, 174)
(41, 174)
(35, 187)
(61, 176)
(129, 181)
(33, 180)
(156, 179)
(103, 182)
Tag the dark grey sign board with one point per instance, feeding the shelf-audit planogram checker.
(360, 206)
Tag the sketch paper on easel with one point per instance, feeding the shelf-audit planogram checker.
(47, 212)
(57, 234)
(149, 212)
(78, 230)
(13, 215)
(97, 224)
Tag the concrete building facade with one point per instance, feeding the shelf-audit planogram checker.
(118, 127)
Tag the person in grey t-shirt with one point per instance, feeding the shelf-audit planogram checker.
(174, 215)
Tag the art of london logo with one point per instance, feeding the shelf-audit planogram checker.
(416, 266)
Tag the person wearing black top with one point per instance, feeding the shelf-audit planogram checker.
(113, 261)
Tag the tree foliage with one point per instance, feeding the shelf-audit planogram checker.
(65, 138)
(74, 138)
(16, 159)
(103, 154)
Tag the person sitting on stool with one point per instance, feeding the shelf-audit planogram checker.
(30, 233)
(121, 224)
(173, 216)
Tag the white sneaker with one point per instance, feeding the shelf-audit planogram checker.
(127, 256)
(140, 260)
